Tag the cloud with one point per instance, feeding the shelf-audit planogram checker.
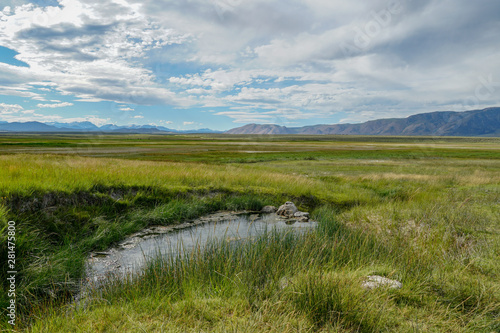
(186, 123)
(88, 50)
(17, 114)
(277, 116)
(53, 106)
(138, 117)
(246, 117)
(362, 57)
(20, 91)
(262, 60)
(6, 109)
(93, 119)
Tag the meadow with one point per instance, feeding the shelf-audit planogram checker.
(424, 211)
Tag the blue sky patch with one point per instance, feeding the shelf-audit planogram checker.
(7, 56)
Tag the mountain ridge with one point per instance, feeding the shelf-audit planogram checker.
(485, 122)
(88, 127)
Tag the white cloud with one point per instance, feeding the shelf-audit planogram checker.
(20, 91)
(93, 119)
(383, 75)
(186, 123)
(31, 115)
(6, 109)
(277, 116)
(88, 49)
(246, 117)
(53, 106)
(138, 117)
(126, 109)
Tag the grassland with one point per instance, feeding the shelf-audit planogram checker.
(424, 211)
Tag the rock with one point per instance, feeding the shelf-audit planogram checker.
(301, 216)
(376, 281)
(287, 210)
(268, 209)
(100, 254)
(284, 282)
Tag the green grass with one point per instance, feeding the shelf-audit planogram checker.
(423, 211)
(218, 149)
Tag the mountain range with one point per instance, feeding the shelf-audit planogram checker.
(86, 126)
(485, 122)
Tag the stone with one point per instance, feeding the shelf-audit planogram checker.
(287, 210)
(376, 281)
(284, 282)
(268, 209)
(301, 216)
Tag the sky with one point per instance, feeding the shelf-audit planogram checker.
(220, 64)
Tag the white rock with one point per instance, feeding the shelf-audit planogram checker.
(376, 281)
(301, 216)
(268, 209)
(287, 210)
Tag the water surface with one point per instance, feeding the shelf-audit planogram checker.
(132, 254)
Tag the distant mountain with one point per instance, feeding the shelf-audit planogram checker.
(201, 131)
(32, 126)
(144, 129)
(484, 122)
(110, 127)
(262, 129)
(86, 126)
(83, 125)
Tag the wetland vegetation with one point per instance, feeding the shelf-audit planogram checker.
(424, 211)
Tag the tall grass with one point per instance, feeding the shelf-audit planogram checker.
(51, 251)
(312, 280)
(390, 212)
(28, 173)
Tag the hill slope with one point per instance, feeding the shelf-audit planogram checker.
(484, 122)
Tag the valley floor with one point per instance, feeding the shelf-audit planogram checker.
(423, 211)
